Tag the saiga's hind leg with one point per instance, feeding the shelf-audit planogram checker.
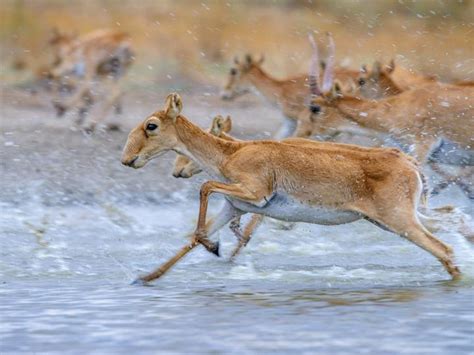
(114, 92)
(87, 102)
(404, 222)
(245, 235)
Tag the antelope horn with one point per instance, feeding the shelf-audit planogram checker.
(314, 68)
(329, 72)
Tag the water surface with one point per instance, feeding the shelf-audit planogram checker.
(66, 272)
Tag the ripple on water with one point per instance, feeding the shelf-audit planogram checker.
(310, 288)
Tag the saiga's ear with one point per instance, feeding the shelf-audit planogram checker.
(227, 126)
(221, 125)
(376, 70)
(260, 60)
(335, 92)
(248, 59)
(173, 105)
(216, 127)
(390, 67)
(55, 35)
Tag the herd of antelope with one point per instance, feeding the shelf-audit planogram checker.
(291, 177)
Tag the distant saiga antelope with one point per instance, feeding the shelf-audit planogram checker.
(317, 182)
(390, 79)
(289, 94)
(100, 57)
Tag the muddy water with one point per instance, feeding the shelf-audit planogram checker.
(77, 228)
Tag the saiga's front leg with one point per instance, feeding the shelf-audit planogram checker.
(81, 90)
(200, 236)
(113, 92)
(227, 213)
(238, 191)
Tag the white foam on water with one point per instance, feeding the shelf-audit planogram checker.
(130, 240)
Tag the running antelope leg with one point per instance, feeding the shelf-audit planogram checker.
(227, 213)
(87, 102)
(83, 88)
(113, 89)
(166, 266)
(244, 237)
(404, 222)
(238, 190)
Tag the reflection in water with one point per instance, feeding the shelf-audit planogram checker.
(316, 297)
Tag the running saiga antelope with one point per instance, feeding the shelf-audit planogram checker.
(101, 56)
(387, 80)
(184, 167)
(317, 182)
(422, 117)
(290, 94)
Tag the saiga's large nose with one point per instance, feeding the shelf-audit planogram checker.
(129, 162)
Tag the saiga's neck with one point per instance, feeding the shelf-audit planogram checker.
(268, 86)
(370, 114)
(202, 147)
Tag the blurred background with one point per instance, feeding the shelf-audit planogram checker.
(181, 43)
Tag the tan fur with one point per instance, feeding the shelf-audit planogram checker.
(421, 116)
(104, 55)
(381, 185)
(185, 167)
(407, 79)
(290, 95)
(387, 80)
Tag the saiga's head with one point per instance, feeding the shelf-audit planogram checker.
(62, 45)
(378, 82)
(324, 93)
(60, 41)
(238, 82)
(154, 136)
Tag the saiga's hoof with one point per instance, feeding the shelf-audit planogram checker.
(216, 250)
(60, 109)
(138, 282)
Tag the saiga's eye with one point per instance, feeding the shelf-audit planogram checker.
(151, 127)
(315, 108)
(233, 71)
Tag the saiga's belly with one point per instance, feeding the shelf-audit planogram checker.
(286, 208)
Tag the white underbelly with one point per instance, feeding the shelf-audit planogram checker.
(286, 208)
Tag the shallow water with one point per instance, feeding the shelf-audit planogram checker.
(66, 274)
